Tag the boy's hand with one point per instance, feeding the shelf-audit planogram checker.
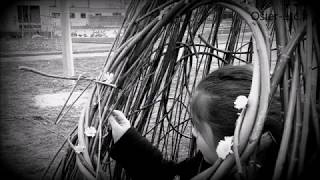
(119, 124)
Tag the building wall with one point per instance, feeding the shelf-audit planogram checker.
(105, 13)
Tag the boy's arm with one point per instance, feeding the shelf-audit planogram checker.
(143, 161)
(140, 159)
(138, 156)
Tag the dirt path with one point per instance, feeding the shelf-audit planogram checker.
(29, 138)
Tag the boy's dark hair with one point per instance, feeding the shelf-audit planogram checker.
(221, 89)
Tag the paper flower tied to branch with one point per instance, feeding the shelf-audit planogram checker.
(79, 149)
(108, 77)
(224, 147)
(90, 131)
(240, 102)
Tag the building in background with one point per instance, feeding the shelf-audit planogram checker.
(89, 18)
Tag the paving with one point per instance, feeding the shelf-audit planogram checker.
(80, 50)
(58, 99)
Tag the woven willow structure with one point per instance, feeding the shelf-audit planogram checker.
(162, 51)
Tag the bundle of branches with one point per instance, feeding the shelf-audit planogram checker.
(165, 47)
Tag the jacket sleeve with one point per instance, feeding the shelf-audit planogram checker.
(143, 161)
(140, 159)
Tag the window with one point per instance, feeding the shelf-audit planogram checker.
(83, 15)
(98, 14)
(72, 15)
(35, 14)
(116, 14)
(28, 14)
(23, 15)
(55, 15)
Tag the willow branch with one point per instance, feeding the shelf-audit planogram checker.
(284, 57)
(288, 124)
(29, 69)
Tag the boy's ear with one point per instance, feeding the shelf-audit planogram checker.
(194, 131)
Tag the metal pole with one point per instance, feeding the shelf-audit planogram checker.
(67, 57)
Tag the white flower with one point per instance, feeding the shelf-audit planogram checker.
(108, 77)
(224, 147)
(240, 102)
(90, 131)
(79, 149)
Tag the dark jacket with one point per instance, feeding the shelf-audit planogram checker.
(143, 161)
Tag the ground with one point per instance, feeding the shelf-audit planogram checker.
(29, 138)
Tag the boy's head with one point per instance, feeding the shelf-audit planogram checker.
(212, 106)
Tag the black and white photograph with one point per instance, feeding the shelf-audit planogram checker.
(159, 90)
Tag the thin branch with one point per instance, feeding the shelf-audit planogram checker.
(220, 50)
(24, 68)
